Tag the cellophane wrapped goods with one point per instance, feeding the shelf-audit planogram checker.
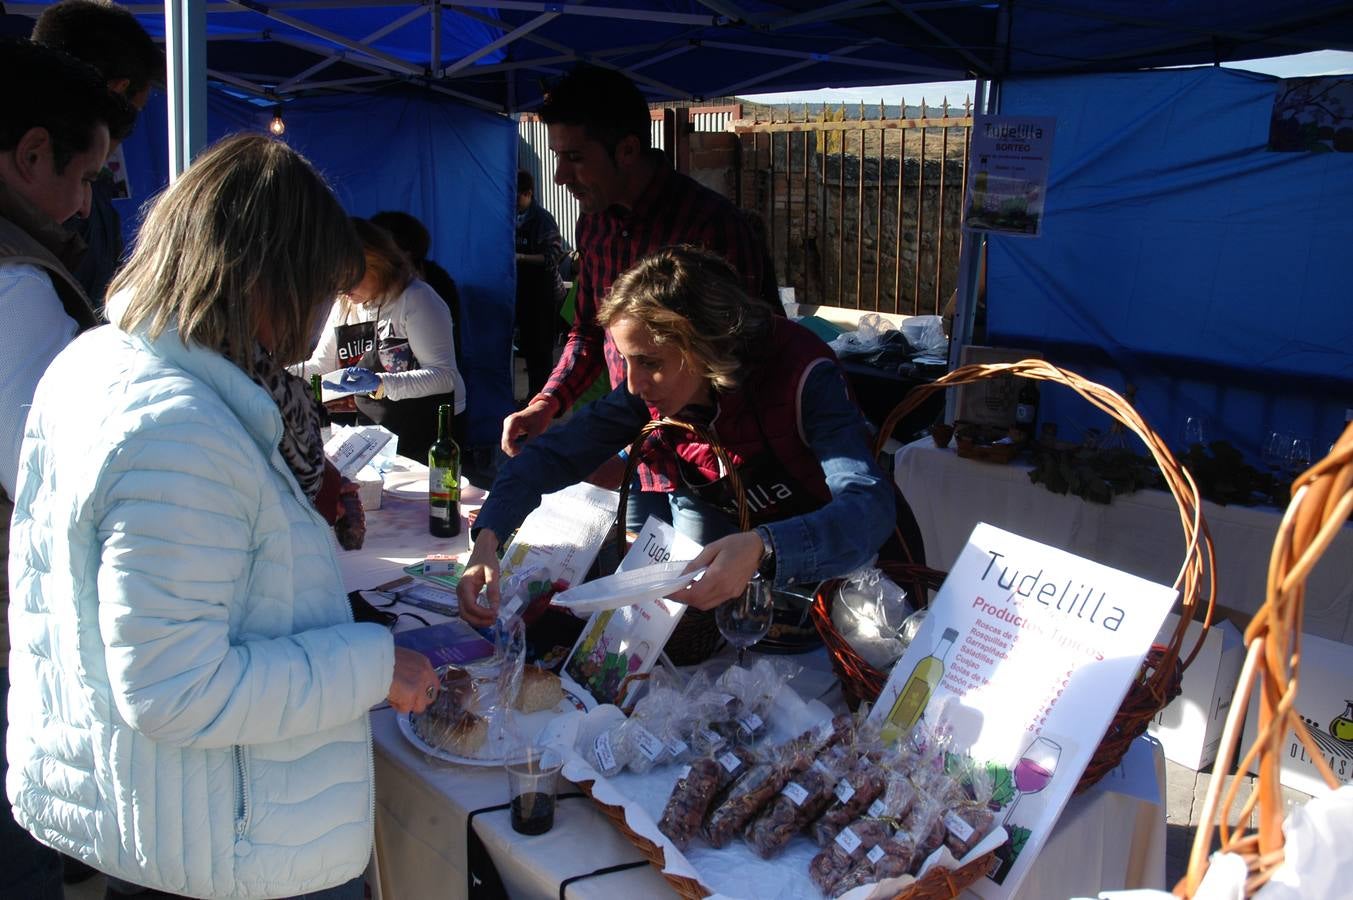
(696, 789)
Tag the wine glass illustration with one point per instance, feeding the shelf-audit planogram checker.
(1034, 770)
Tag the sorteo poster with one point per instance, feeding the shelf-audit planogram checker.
(1008, 175)
(1024, 658)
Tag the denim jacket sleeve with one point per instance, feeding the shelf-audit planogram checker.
(565, 454)
(847, 532)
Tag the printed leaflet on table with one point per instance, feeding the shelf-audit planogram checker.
(1025, 657)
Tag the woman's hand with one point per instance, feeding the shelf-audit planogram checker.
(481, 572)
(414, 684)
(732, 562)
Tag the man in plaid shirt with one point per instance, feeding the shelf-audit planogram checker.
(632, 204)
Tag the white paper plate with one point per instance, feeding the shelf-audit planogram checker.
(496, 748)
(406, 484)
(624, 588)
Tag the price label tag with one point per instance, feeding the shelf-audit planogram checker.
(605, 756)
(876, 809)
(649, 745)
(677, 747)
(712, 738)
(796, 793)
(685, 770)
(730, 761)
(848, 840)
(751, 721)
(957, 826)
(875, 855)
(844, 791)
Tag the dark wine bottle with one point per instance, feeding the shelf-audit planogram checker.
(444, 479)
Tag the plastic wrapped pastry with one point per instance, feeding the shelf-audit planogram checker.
(800, 801)
(695, 790)
(845, 852)
(852, 796)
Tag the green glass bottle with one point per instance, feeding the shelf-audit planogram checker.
(444, 479)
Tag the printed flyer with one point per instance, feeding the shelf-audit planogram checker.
(563, 535)
(1024, 658)
(618, 643)
(1008, 178)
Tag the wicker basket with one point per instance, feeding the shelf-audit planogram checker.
(1158, 681)
(696, 636)
(1322, 499)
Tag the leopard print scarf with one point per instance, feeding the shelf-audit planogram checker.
(301, 419)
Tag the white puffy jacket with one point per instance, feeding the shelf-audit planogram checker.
(189, 697)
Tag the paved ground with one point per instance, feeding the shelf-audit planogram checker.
(1186, 791)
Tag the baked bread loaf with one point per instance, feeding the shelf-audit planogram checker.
(539, 690)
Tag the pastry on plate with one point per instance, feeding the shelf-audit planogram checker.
(539, 690)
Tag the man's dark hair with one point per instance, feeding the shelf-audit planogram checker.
(603, 101)
(410, 234)
(67, 97)
(106, 36)
(525, 183)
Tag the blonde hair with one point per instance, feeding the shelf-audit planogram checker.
(250, 233)
(391, 266)
(691, 299)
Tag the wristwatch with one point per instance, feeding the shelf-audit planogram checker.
(766, 568)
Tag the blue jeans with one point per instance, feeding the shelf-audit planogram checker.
(119, 889)
(31, 871)
(702, 522)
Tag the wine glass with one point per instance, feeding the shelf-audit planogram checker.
(1195, 431)
(1275, 450)
(1034, 770)
(745, 619)
(1299, 455)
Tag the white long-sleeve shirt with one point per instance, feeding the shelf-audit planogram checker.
(37, 328)
(418, 315)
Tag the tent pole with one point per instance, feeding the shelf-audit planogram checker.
(186, 49)
(966, 306)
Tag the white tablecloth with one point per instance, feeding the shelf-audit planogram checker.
(1111, 837)
(1138, 533)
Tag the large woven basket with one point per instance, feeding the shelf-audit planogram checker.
(1158, 681)
(1322, 500)
(696, 636)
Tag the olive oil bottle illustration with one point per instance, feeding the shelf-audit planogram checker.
(1341, 728)
(920, 684)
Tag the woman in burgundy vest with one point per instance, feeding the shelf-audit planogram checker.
(766, 390)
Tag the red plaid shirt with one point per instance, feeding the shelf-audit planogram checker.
(673, 209)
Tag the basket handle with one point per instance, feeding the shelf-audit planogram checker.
(1199, 569)
(1322, 501)
(704, 435)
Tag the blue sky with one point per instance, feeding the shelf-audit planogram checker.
(1321, 62)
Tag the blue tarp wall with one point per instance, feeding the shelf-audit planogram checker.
(451, 166)
(1180, 255)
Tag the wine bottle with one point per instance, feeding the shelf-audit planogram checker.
(915, 693)
(444, 479)
(1026, 408)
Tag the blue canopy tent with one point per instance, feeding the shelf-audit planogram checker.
(390, 98)
(1181, 255)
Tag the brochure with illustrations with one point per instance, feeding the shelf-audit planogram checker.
(564, 534)
(446, 643)
(1024, 658)
(447, 580)
(618, 643)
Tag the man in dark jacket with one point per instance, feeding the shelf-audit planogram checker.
(109, 38)
(539, 287)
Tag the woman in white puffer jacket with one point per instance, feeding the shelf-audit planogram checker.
(188, 710)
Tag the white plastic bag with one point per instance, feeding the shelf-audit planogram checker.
(925, 334)
(865, 338)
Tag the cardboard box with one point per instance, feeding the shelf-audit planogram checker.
(1325, 701)
(1189, 729)
(990, 401)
